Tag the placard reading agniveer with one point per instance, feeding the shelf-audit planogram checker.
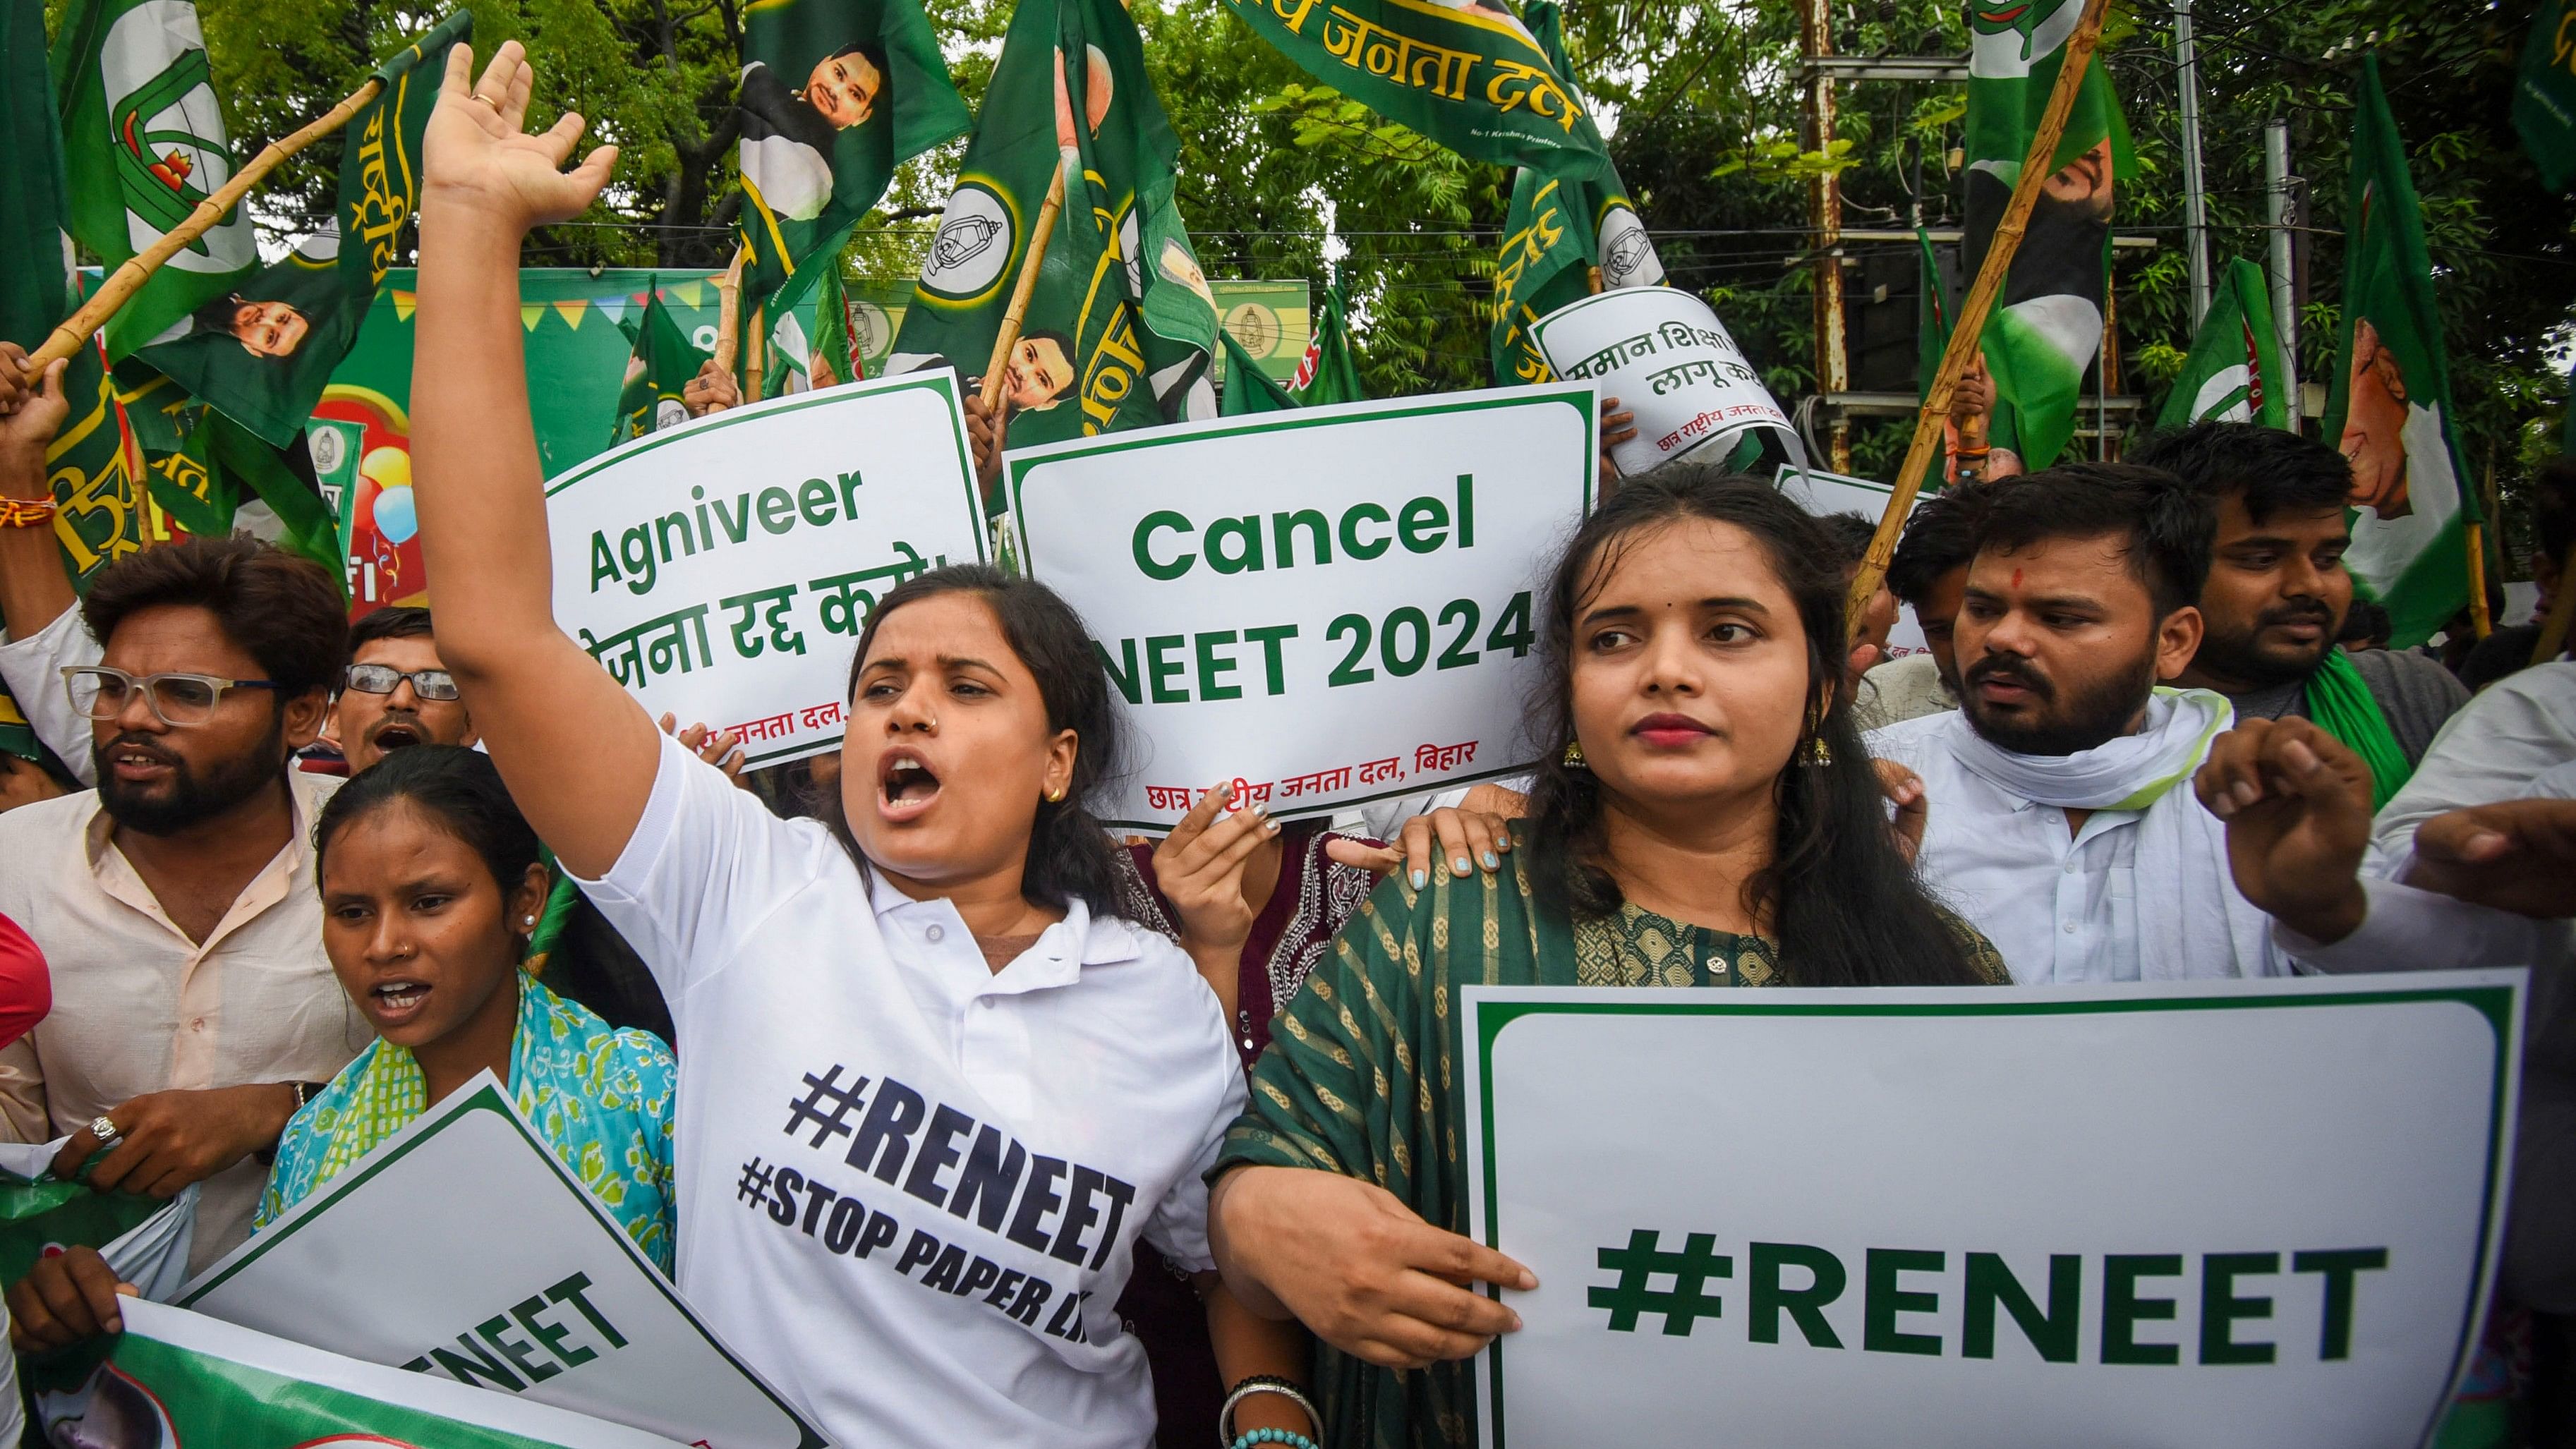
(1325, 606)
(722, 570)
(2212, 1215)
(460, 1248)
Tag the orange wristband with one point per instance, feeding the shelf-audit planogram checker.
(26, 512)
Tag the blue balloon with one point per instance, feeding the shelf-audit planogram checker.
(394, 516)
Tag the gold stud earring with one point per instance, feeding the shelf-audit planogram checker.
(1574, 755)
(1055, 797)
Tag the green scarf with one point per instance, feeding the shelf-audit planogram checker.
(2342, 706)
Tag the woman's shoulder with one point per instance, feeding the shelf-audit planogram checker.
(1982, 955)
(574, 1028)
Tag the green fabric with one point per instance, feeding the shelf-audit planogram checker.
(1468, 76)
(1247, 388)
(2544, 96)
(2341, 704)
(1328, 373)
(561, 902)
(2394, 421)
(44, 1213)
(1361, 1077)
(1120, 321)
(659, 368)
(262, 350)
(794, 50)
(2235, 372)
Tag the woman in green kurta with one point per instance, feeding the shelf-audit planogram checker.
(1712, 820)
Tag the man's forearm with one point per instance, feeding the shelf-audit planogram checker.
(34, 590)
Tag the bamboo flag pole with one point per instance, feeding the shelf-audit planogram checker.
(1971, 320)
(138, 269)
(753, 362)
(729, 315)
(996, 372)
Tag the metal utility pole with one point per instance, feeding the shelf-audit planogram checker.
(2276, 204)
(2195, 201)
(1825, 218)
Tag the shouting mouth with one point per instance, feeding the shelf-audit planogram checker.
(397, 734)
(398, 1001)
(906, 786)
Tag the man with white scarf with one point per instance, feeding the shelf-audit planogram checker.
(2060, 816)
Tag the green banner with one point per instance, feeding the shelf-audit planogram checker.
(1561, 228)
(1118, 256)
(835, 95)
(1248, 389)
(144, 140)
(2234, 373)
(660, 366)
(1463, 72)
(2544, 97)
(1328, 373)
(2390, 403)
(2046, 329)
(261, 351)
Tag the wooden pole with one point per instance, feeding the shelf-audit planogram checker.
(138, 269)
(2481, 622)
(729, 315)
(753, 360)
(996, 372)
(1971, 322)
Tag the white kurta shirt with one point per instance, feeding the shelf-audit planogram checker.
(138, 1007)
(909, 1185)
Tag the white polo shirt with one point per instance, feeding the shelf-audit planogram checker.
(910, 1186)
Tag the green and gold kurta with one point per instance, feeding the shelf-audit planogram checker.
(1361, 1076)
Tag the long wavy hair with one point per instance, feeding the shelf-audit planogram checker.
(1841, 900)
(1069, 852)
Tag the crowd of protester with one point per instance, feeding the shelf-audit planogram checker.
(280, 883)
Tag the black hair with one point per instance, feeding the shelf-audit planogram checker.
(393, 621)
(1850, 535)
(2365, 623)
(457, 787)
(2553, 509)
(1069, 851)
(2168, 526)
(2274, 471)
(216, 315)
(1844, 905)
(282, 610)
(1940, 537)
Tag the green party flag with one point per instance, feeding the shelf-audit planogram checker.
(2046, 328)
(835, 95)
(2544, 97)
(1247, 388)
(179, 1378)
(1121, 321)
(262, 350)
(1562, 225)
(2235, 372)
(661, 365)
(1328, 373)
(1931, 315)
(143, 137)
(2390, 403)
(1463, 72)
(831, 362)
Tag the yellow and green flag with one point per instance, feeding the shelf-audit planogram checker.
(661, 365)
(2234, 373)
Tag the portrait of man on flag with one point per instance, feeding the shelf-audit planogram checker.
(789, 134)
(2374, 426)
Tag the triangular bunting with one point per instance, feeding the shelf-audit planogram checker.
(687, 292)
(613, 308)
(405, 303)
(571, 311)
(529, 312)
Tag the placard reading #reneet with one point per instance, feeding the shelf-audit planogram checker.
(1323, 607)
(1664, 355)
(2202, 1215)
(722, 570)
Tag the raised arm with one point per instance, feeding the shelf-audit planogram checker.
(577, 750)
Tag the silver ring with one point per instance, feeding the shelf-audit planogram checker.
(103, 1129)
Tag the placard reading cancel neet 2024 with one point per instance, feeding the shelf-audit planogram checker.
(2203, 1215)
(1326, 606)
(722, 570)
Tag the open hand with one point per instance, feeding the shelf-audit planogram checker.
(2514, 855)
(1357, 1266)
(67, 1298)
(478, 158)
(167, 1140)
(2297, 806)
(1199, 868)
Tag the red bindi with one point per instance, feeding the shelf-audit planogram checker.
(2016, 578)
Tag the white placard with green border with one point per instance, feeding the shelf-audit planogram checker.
(1326, 606)
(1820, 493)
(461, 1248)
(1664, 355)
(722, 570)
(2205, 1215)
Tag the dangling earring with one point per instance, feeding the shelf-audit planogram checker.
(1574, 756)
(1817, 752)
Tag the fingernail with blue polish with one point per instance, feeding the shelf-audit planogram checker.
(1493, 861)
(1420, 879)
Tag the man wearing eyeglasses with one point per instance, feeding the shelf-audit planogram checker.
(395, 692)
(193, 1004)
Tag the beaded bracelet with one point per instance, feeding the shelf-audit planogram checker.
(1265, 1384)
(1252, 1437)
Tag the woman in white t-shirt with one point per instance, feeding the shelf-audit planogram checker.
(934, 1091)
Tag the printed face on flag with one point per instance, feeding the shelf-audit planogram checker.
(1098, 89)
(2374, 426)
(108, 1411)
(268, 329)
(844, 87)
(2084, 184)
(1041, 369)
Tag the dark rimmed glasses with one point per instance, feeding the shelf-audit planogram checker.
(385, 679)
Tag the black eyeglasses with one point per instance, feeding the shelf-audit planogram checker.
(384, 678)
(99, 692)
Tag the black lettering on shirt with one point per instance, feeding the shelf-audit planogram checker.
(892, 1118)
(1120, 1194)
(1079, 1213)
(920, 1250)
(938, 1151)
(818, 1198)
(1000, 1297)
(782, 1194)
(842, 1232)
(991, 1176)
(979, 1276)
(1034, 1293)
(1037, 1199)
(879, 1233)
(943, 1274)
